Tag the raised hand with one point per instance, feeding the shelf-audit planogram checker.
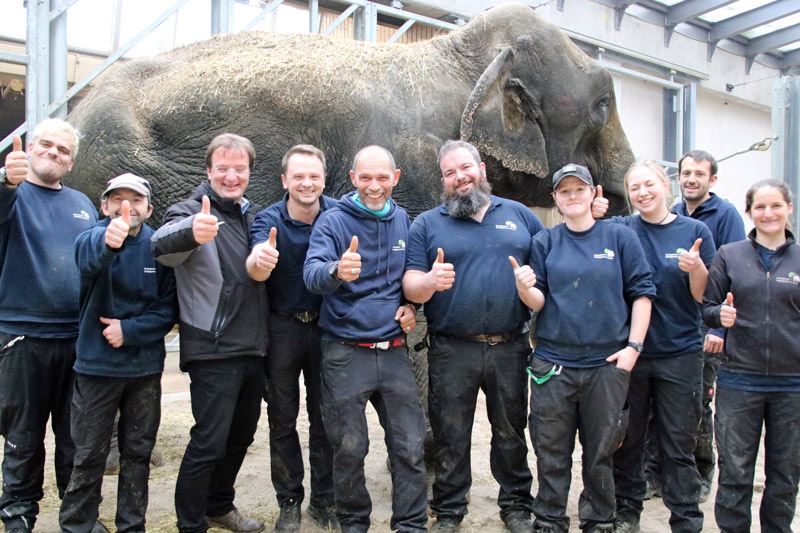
(350, 262)
(266, 253)
(727, 313)
(689, 260)
(118, 228)
(441, 275)
(16, 162)
(599, 204)
(204, 225)
(112, 333)
(525, 276)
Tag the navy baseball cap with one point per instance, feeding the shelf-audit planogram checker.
(580, 172)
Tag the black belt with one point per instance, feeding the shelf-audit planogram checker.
(304, 316)
(491, 339)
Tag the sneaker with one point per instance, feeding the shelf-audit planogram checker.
(446, 524)
(325, 517)
(289, 519)
(626, 527)
(518, 522)
(234, 521)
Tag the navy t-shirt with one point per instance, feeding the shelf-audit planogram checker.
(287, 292)
(589, 279)
(675, 318)
(483, 299)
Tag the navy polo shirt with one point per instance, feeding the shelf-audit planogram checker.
(483, 299)
(675, 318)
(285, 286)
(589, 279)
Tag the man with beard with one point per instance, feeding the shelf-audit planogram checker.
(478, 333)
(39, 287)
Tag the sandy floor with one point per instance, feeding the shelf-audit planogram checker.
(256, 497)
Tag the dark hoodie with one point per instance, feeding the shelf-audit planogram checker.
(223, 312)
(362, 310)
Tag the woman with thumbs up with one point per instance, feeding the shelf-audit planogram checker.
(759, 382)
(667, 378)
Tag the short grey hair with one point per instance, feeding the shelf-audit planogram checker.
(373, 147)
(451, 145)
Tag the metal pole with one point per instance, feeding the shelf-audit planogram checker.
(58, 59)
(786, 136)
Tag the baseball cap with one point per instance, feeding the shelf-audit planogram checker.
(128, 181)
(580, 172)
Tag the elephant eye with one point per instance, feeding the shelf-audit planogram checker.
(600, 110)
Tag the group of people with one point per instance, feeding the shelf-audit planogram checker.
(330, 289)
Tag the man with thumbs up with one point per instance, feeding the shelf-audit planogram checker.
(223, 333)
(458, 267)
(355, 261)
(279, 239)
(128, 305)
(39, 288)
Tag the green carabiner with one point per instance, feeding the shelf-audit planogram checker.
(556, 370)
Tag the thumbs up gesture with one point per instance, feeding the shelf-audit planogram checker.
(689, 260)
(525, 276)
(16, 163)
(204, 225)
(599, 204)
(350, 262)
(441, 275)
(266, 254)
(118, 228)
(727, 312)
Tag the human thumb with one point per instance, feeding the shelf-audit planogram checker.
(440, 256)
(206, 205)
(729, 300)
(106, 321)
(696, 245)
(17, 144)
(599, 191)
(126, 212)
(273, 236)
(353, 244)
(513, 262)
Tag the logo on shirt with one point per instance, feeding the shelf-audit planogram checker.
(507, 225)
(82, 215)
(793, 278)
(400, 246)
(607, 254)
(149, 270)
(676, 255)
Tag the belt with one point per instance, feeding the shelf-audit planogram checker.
(384, 345)
(305, 316)
(490, 339)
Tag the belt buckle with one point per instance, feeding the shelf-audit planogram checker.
(384, 345)
(493, 340)
(304, 317)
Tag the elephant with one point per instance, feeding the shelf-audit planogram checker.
(510, 82)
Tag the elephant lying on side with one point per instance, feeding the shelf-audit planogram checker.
(510, 82)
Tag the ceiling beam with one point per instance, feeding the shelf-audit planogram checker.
(689, 9)
(753, 18)
(771, 41)
(790, 59)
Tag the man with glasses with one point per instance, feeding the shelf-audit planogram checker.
(223, 333)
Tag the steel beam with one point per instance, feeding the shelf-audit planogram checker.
(773, 40)
(786, 136)
(264, 12)
(313, 16)
(58, 58)
(790, 59)
(400, 31)
(753, 18)
(221, 16)
(689, 9)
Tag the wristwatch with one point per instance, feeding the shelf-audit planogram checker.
(638, 346)
(4, 177)
(333, 270)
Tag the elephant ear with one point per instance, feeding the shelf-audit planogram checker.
(500, 118)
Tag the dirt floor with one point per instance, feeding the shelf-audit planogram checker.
(256, 498)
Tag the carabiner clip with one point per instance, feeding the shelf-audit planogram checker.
(556, 370)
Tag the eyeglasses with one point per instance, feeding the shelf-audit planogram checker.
(239, 171)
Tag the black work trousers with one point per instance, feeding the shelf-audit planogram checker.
(739, 418)
(226, 405)
(457, 370)
(351, 376)
(294, 348)
(95, 402)
(591, 402)
(36, 381)
(672, 388)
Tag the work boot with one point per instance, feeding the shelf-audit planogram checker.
(624, 526)
(705, 486)
(518, 522)
(289, 519)
(234, 521)
(325, 517)
(447, 524)
(99, 527)
(653, 489)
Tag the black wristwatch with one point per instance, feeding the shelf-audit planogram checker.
(333, 270)
(638, 346)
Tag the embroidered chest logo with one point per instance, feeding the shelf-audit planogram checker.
(507, 225)
(607, 254)
(400, 246)
(792, 278)
(149, 270)
(676, 255)
(83, 215)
